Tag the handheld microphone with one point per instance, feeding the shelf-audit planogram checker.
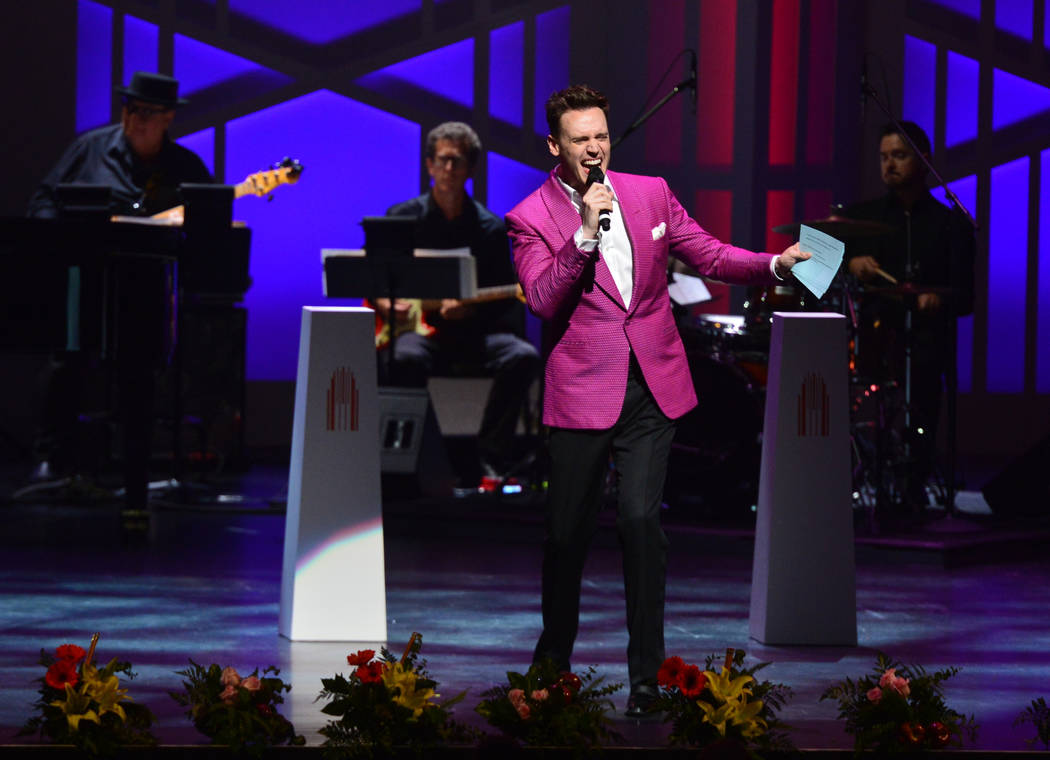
(597, 175)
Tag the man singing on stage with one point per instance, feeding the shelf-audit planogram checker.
(591, 250)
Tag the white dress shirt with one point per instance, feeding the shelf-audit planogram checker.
(613, 244)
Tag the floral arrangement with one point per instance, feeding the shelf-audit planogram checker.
(80, 704)
(900, 708)
(388, 702)
(1038, 714)
(237, 712)
(728, 705)
(545, 707)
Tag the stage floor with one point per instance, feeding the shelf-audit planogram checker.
(202, 582)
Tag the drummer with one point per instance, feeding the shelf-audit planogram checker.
(931, 250)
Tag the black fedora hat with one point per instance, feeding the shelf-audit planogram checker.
(153, 88)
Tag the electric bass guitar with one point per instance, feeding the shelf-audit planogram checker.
(285, 172)
(415, 320)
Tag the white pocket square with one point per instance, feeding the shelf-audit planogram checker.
(659, 230)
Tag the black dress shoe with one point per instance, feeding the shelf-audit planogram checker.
(640, 703)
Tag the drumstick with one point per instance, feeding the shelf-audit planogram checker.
(887, 275)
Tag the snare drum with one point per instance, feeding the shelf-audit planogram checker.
(762, 302)
(725, 335)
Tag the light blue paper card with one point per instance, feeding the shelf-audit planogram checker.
(817, 272)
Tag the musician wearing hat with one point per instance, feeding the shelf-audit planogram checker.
(136, 159)
(143, 167)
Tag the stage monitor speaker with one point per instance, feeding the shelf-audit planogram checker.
(1022, 488)
(411, 447)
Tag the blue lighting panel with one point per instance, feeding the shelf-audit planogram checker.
(1014, 99)
(94, 47)
(971, 8)
(509, 182)
(140, 46)
(966, 190)
(325, 20)
(506, 72)
(920, 61)
(357, 161)
(447, 71)
(199, 66)
(552, 60)
(203, 144)
(1014, 16)
(1007, 276)
(1042, 328)
(963, 76)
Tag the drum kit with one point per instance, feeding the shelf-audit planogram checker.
(715, 460)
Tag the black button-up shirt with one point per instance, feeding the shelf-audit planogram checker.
(104, 157)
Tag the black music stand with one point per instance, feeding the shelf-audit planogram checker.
(207, 225)
(392, 267)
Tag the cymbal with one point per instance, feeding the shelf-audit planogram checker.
(839, 227)
(910, 289)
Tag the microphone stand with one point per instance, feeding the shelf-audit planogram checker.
(951, 521)
(690, 83)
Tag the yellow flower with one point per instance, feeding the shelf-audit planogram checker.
(734, 708)
(76, 707)
(108, 696)
(397, 677)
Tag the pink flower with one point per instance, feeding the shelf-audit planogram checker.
(517, 698)
(540, 695)
(230, 677)
(874, 694)
(886, 681)
(900, 685)
(229, 694)
(252, 683)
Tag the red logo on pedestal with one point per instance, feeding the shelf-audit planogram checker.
(343, 401)
(813, 406)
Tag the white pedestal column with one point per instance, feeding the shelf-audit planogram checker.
(333, 586)
(803, 587)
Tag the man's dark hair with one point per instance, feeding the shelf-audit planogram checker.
(457, 132)
(579, 97)
(913, 130)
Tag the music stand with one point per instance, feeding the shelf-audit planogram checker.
(76, 200)
(391, 266)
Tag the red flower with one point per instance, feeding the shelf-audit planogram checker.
(670, 673)
(570, 680)
(61, 673)
(363, 657)
(70, 652)
(371, 672)
(692, 681)
(264, 709)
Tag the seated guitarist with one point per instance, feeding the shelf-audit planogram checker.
(455, 335)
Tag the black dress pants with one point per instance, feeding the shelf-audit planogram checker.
(640, 443)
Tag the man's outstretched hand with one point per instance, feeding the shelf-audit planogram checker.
(789, 258)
